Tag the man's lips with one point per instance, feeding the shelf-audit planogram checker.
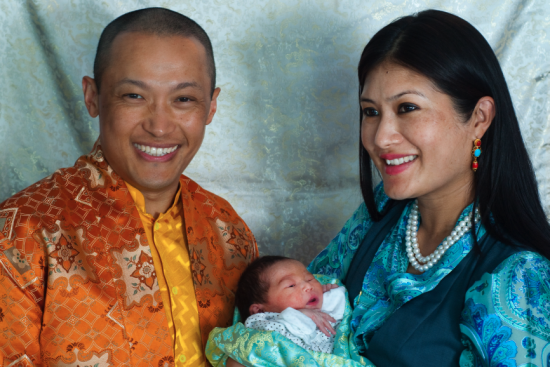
(157, 152)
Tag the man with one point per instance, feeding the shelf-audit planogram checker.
(121, 260)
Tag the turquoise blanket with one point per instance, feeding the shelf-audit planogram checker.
(252, 347)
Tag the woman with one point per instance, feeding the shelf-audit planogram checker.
(447, 260)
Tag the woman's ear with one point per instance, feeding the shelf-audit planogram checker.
(256, 308)
(483, 116)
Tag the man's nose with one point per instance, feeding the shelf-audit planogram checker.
(160, 121)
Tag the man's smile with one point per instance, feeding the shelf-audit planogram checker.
(155, 151)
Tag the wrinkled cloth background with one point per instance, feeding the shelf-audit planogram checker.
(283, 145)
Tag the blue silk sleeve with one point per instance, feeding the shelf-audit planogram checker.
(506, 318)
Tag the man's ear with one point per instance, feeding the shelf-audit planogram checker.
(256, 308)
(483, 116)
(91, 96)
(213, 105)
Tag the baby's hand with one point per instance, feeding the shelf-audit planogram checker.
(321, 319)
(328, 287)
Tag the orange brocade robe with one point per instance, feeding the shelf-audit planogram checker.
(68, 296)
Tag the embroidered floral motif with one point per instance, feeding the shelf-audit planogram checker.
(529, 344)
(64, 253)
(522, 293)
(480, 288)
(145, 271)
(167, 361)
(490, 334)
(197, 267)
(204, 304)
(18, 259)
(72, 346)
(155, 309)
(239, 241)
(139, 231)
(132, 343)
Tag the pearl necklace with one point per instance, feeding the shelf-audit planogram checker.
(411, 242)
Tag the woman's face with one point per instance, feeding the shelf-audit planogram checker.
(414, 136)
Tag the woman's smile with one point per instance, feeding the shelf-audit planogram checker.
(397, 163)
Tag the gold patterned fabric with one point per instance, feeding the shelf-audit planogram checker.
(171, 259)
(78, 282)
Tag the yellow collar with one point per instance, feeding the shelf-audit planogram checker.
(139, 199)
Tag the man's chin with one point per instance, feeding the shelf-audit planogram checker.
(154, 183)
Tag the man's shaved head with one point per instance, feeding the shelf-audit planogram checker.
(157, 21)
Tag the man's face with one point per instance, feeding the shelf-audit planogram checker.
(154, 105)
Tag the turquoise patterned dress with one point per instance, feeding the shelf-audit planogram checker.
(506, 318)
(505, 321)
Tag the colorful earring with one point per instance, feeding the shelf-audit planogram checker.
(476, 152)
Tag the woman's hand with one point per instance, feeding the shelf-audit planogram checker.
(232, 363)
(321, 319)
(328, 287)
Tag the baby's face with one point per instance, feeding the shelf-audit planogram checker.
(291, 285)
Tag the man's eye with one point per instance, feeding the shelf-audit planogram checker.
(183, 99)
(133, 96)
(370, 112)
(404, 108)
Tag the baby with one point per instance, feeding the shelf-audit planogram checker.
(278, 293)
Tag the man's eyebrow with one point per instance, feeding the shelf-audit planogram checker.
(143, 85)
(186, 85)
(137, 83)
(397, 96)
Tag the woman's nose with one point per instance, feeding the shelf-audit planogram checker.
(387, 133)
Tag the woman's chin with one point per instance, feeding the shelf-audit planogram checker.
(397, 192)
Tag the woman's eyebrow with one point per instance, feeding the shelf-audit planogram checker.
(394, 97)
(397, 96)
(363, 99)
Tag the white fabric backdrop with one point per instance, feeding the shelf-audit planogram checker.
(283, 145)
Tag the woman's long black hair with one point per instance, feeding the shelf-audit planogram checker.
(458, 60)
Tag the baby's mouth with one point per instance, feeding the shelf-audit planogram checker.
(313, 301)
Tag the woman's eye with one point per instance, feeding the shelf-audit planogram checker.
(404, 108)
(370, 112)
(291, 286)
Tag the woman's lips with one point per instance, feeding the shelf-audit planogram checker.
(395, 170)
(397, 163)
